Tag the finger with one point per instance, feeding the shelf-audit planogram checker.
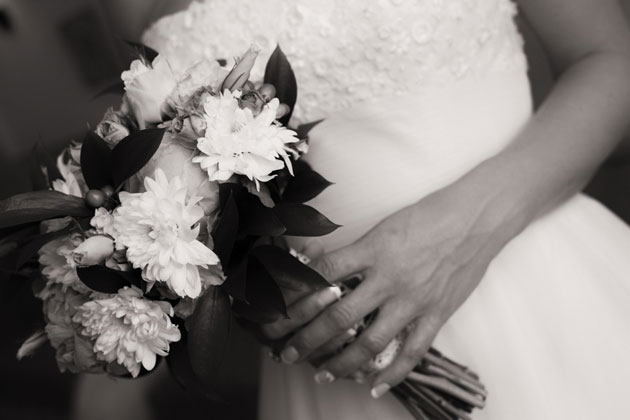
(342, 263)
(302, 312)
(415, 347)
(329, 349)
(336, 319)
(389, 322)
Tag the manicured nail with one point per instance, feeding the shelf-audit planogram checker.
(379, 390)
(329, 295)
(324, 377)
(359, 377)
(289, 355)
(273, 356)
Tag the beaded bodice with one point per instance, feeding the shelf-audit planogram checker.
(344, 51)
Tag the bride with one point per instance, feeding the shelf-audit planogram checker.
(460, 209)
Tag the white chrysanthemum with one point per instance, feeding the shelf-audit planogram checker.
(236, 142)
(159, 228)
(128, 329)
(103, 221)
(58, 265)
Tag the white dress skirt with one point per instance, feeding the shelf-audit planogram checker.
(548, 328)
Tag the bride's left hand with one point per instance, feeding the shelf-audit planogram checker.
(418, 266)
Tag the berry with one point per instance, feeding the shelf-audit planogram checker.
(95, 198)
(108, 191)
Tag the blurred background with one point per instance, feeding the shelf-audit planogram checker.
(55, 56)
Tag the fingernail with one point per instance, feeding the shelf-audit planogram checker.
(329, 295)
(359, 377)
(289, 355)
(273, 356)
(324, 377)
(379, 390)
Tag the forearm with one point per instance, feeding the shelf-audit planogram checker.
(580, 123)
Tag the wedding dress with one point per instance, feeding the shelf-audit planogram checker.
(414, 94)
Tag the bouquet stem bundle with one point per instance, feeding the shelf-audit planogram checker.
(440, 389)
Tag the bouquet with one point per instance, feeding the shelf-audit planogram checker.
(166, 222)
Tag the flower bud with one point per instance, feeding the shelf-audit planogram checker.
(239, 75)
(283, 109)
(93, 250)
(253, 101)
(198, 124)
(267, 91)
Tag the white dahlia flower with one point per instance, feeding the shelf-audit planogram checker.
(128, 329)
(237, 142)
(159, 228)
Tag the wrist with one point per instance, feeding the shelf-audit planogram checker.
(495, 201)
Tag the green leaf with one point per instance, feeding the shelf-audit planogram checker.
(133, 152)
(30, 248)
(304, 129)
(257, 219)
(303, 220)
(43, 168)
(287, 271)
(305, 185)
(104, 279)
(225, 230)
(36, 206)
(208, 333)
(145, 53)
(265, 302)
(235, 283)
(96, 161)
(117, 88)
(279, 73)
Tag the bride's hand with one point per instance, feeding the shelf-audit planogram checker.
(418, 266)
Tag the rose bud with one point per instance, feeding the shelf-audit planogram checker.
(283, 109)
(248, 86)
(267, 91)
(198, 124)
(253, 101)
(239, 75)
(93, 250)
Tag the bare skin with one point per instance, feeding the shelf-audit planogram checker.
(421, 263)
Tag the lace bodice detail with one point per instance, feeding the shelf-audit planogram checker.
(345, 51)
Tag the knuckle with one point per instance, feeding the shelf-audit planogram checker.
(327, 266)
(374, 343)
(341, 316)
(272, 331)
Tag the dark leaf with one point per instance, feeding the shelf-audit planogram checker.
(266, 303)
(257, 219)
(303, 220)
(104, 279)
(208, 333)
(262, 192)
(280, 74)
(304, 129)
(117, 88)
(288, 271)
(96, 161)
(133, 152)
(147, 54)
(236, 280)
(43, 168)
(40, 205)
(225, 230)
(305, 185)
(30, 248)
(179, 365)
